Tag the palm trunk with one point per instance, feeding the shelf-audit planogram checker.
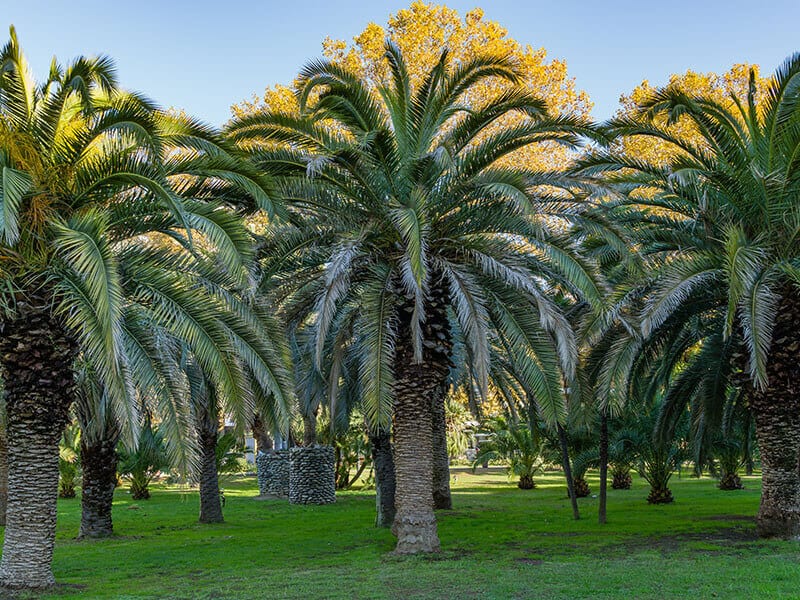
(442, 500)
(37, 359)
(99, 464)
(263, 440)
(383, 460)
(601, 511)
(562, 438)
(210, 503)
(776, 411)
(748, 446)
(416, 385)
(310, 428)
(3, 476)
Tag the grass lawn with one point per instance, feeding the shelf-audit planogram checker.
(499, 542)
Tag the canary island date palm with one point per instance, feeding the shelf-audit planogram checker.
(519, 445)
(412, 221)
(719, 222)
(99, 190)
(186, 402)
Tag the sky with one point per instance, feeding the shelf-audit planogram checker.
(205, 55)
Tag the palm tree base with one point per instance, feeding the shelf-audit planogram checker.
(581, 487)
(99, 464)
(660, 496)
(526, 483)
(416, 533)
(140, 493)
(385, 482)
(210, 499)
(730, 481)
(67, 492)
(783, 524)
(622, 481)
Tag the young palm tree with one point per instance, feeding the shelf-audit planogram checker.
(104, 199)
(417, 226)
(719, 225)
(517, 444)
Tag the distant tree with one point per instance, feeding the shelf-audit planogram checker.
(516, 444)
(421, 32)
(143, 463)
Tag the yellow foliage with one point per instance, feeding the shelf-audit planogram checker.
(422, 31)
(719, 87)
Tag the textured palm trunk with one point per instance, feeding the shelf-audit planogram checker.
(526, 482)
(99, 465)
(263, 440)
(310, 428)
(442, 499)
(385, 483)
(776, 412)
(562, 438)
(3, 476)
(747, 450)
(601, 510)
(416, 386)
(210, 502)
(37, 359)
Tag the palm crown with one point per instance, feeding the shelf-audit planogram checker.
(406, 209)
(109, 204)
(718, 225)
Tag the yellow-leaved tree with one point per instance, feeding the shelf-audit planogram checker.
(421, 32)
(720, 87)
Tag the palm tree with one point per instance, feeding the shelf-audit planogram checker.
(105, 199)
(140, 465)
(417, 226)
(100, 435)
(517, 444)
(719, 226)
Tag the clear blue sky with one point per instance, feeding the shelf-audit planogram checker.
(205, 55)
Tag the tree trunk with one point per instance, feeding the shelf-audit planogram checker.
(601, 511)
(37, 359)
(562, 438)
(416, 385)
(99, 464)
(776, 412)
(383, 460)
(263, 440)
(210, 503)
(310, 428)
(3, 475)
(442, 500)
(748, 446)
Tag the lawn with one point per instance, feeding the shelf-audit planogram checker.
(499, 542)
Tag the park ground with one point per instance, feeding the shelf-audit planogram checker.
(498, 542)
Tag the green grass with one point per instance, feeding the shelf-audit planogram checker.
(499, 542)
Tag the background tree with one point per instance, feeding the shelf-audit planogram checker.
(421, 31)
(143, 463)
(516, 444)
(654, 151)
